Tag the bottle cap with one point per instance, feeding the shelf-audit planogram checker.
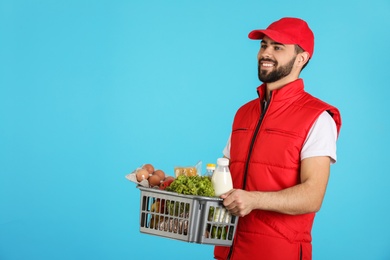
(210, 166)
(223, 161)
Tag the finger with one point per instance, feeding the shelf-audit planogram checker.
(227, 194)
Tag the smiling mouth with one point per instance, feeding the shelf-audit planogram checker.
(267, 64)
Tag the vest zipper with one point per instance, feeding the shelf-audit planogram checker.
(264, 110)
(300, 251)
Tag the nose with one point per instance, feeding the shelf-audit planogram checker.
(264, 53)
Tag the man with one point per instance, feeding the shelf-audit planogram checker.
(281, 147)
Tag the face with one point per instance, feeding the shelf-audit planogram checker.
(275, 60)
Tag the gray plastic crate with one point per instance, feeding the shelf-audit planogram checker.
(195, 219)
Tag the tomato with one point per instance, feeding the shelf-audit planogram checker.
(166, 183)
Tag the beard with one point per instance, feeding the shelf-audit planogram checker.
(276, 74)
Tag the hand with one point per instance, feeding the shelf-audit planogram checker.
(238, 202)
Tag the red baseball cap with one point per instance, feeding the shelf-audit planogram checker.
(288, 31)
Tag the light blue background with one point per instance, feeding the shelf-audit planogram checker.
(90, 90)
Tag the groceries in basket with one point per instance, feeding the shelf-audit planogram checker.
(192, 185)
(184, 207)
(148, 176)
(189, 218)
(172, 217)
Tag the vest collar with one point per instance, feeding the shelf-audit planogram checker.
(287, 91)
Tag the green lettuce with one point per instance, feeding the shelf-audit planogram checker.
(192, 185)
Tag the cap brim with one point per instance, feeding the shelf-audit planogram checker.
(256, 34)
(274, 35)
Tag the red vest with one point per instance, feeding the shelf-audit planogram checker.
(265, 156)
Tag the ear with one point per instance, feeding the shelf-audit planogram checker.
(303, 58)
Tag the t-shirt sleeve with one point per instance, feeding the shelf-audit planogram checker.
(321, 139)
(226, 150)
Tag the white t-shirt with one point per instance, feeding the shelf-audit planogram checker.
(320, 141)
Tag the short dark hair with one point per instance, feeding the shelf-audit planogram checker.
(298, 49)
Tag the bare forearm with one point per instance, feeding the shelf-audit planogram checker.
(302, 198)
(294, 200)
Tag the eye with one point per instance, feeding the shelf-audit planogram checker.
(278, 48)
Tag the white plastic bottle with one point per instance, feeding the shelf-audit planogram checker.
(221, 179)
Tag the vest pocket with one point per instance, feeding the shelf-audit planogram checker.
(285, 144)
(240, 129)
(281, 132)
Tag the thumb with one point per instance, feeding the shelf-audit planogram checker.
(225, 195)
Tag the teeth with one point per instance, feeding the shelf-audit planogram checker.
(267, 65)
